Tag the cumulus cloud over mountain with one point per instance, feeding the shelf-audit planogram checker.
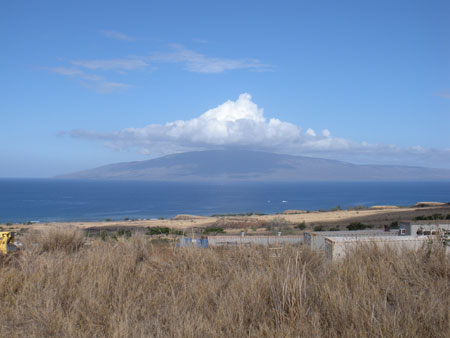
(242, 124)
(239, 123)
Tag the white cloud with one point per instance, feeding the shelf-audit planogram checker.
(233, 123)
(310, 132)
(242, 124)
(116, 35)
(199, 63)
(95, 82)
(113, 64)
(326, 133)
(239, 123)
(192, 61)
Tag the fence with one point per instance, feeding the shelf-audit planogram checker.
(186, 242)
(253, 240)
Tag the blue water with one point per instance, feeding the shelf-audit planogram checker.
(24, 200)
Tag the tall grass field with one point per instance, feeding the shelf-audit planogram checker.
(58, 286)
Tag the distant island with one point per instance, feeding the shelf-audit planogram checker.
(248, 165)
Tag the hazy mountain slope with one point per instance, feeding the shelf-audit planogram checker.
(226, 165)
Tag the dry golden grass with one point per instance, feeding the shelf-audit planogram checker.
(58, 238)
(129, 288)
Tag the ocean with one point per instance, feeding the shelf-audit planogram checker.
(50, 200)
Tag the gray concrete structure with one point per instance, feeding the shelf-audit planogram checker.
(423, 228)
(337, 248)
(253, 240)
(316, 240)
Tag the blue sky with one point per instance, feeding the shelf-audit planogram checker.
(88, 83)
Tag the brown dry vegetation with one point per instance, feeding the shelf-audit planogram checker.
(129, 288)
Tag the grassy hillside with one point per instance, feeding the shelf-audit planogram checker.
(59, 287)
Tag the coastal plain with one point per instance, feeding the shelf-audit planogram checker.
(378, 216)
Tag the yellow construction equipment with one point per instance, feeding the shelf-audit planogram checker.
(7, 242)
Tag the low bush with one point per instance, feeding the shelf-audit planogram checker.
(124, 233)
(239, 214)
(359, 226)
(394, 225)
(151, 231)
(430, 217)
(213, 230)
(301, 226)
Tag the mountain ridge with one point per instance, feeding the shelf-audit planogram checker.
(249, 165)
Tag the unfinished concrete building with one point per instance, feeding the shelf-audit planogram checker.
(427, 228)
(337, 248)
(316, 239)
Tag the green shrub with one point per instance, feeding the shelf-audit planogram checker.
(430, 218)
(319, 228)
(108, 220)
(301, 226)
(158, 231)
(394, 225)
(334, 229)
(151, 231)
(239, 214)
(213, 230)
(124, 233)
(358, 226)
